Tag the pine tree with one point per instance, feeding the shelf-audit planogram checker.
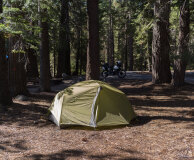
(5, 97)
(44, 53)
(110, 50)
(160, 46)
(181, 59)
(64, 41)
(93, 66)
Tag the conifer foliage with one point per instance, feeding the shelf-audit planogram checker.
(43, 39)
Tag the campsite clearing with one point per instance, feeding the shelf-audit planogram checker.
(165, 129)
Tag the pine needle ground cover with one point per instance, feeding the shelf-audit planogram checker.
(164, 129)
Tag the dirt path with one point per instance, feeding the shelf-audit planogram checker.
(142, 75)
(165, 129)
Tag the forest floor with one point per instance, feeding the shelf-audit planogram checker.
(165, 128)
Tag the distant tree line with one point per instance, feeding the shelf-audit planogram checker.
(46, 38)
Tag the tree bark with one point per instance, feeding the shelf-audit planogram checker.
(5, 96)
(182, 54)
(126, 49)
(160, 47)
(18, 73)
(44, 58)
(131, 59)
(141, 59)
(121, 48)
(110, 37)
(77, 65)
(149, 49)
(81, 55)
(83, 52)
(64, 41)
(78, 44)
(54, 54)
(93, 64)
(32, 66)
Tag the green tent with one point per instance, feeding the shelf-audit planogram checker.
(91, 103)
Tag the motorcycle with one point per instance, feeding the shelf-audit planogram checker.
(114, 70)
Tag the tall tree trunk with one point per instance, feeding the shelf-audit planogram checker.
(110, 37)
(108, 48)
(18, 73)
(130, 43)
(32, 66)
(17, 68)
(78, 44)
(81, 54)
(149, 49)
(5, 97)
(93, 64)
(78, 51)
(111, 41)
(64, 41)
(183, 41)
(17, 62)
(119, 44)
(121, 49)
(54, 61)
(160, 47)
(54, 55)
(126, 49)
(44, 57)
(141, 58)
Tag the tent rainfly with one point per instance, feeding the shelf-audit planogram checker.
(91, 103)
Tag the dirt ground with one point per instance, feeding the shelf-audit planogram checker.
(164, 130)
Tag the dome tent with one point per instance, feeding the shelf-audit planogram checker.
(91, 103)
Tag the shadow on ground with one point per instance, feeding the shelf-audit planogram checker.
(30, 114)
(72, 153)
(147, 97)
(25, 115)
(16, 147)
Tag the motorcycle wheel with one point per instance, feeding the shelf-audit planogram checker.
(122, 74)
(104, 74)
